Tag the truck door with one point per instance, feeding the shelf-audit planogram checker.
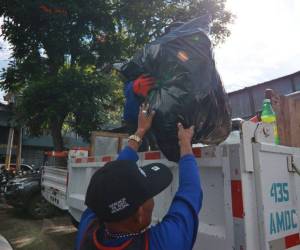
(277, 189)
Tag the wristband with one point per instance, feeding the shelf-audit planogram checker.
(135, 138)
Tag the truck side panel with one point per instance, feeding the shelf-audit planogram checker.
(54, 186)
(216, 222)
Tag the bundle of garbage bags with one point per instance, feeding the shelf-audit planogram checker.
(188, 87)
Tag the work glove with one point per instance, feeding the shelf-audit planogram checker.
(143, 84)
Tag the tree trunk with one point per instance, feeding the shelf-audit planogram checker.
(56, 126)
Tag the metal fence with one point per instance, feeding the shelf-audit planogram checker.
(248, 101)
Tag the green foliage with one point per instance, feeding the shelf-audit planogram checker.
(83, 98)
(81, 93)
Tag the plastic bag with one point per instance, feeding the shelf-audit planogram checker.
(188, 90)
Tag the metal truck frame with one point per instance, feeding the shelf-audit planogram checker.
(250, 185)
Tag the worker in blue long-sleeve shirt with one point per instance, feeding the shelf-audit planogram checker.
(120, 200)
(135, 93)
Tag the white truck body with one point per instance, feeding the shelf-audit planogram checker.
(54, 181)
(54, 186)
(251, 191)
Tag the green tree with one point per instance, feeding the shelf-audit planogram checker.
(63, 51)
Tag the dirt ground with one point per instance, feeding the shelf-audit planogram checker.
(23, 233)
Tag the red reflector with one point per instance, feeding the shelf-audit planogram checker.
(197, 152)
(292, 240)
(237, 199)
(152, 156)
(106, 158)
(91, 159)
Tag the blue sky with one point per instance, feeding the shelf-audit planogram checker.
(264, 44)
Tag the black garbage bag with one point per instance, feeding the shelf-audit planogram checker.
(188, 90)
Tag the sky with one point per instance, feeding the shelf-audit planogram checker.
(264, 43)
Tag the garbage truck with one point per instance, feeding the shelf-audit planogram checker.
(251, 190)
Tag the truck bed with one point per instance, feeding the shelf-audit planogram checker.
(251, 191)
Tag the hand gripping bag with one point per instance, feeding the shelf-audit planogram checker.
(188, 88)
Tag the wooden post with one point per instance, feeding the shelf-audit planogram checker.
(9, 148)
(19, 150)
(10, 98)
(288, 117)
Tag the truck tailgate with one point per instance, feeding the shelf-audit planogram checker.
(54, 186)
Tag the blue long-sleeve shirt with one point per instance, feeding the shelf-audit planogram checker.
(132, 104)
(178, 229)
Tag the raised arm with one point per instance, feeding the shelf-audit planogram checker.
(144, 124)
(128, 153)
(178, 230)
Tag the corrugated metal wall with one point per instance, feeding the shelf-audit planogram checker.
(33, 156)
(246, 102)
